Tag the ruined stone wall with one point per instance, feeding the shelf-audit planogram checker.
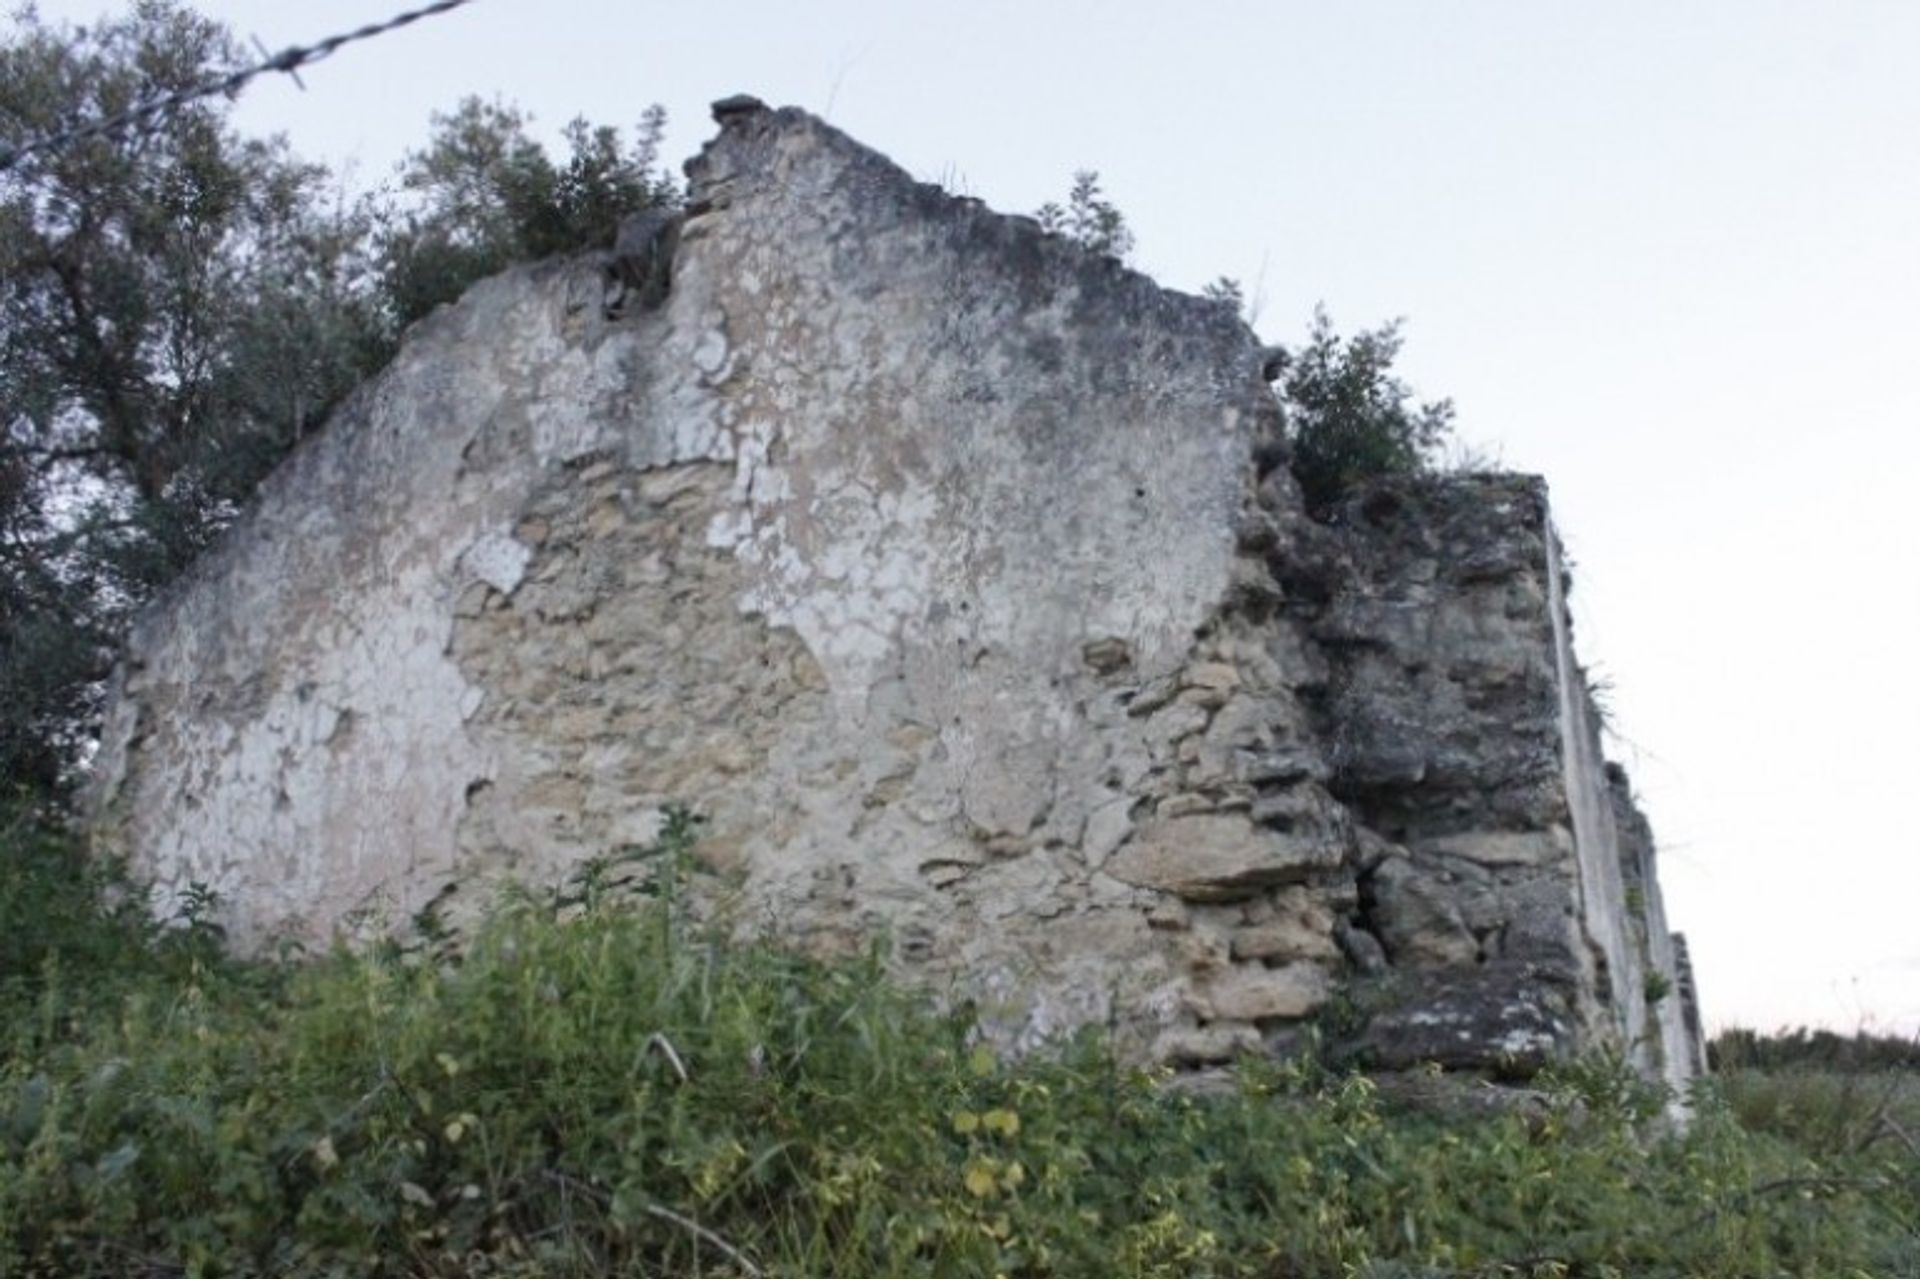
(1502, 863)
(951, 572)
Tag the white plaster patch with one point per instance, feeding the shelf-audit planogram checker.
(847, 573)
(711, 353)
(497, 559)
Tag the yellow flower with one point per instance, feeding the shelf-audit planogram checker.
(1004, 1122)
(965, 1122)
(980, 1180)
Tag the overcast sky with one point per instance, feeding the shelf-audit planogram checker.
(1667, 255)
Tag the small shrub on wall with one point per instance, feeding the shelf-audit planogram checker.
(1349, 418)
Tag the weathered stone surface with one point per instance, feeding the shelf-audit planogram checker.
(1461, 729)
(1219, 857)
(1418, 917)
(1250, 993)
(642, 263)
(1362, 949)
(1505, 848)
(1296, 924)
(1507, 1019)
(955, 576)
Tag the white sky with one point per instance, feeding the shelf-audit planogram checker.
(1667, 255)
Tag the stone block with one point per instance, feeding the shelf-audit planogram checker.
(1212, 857)
(1252, 993)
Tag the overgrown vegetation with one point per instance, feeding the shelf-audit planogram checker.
(486, 194)
(1837, 1095)
(1349, 417)
(1088, 218)
(181, 305)
(1812, 1048)
(599, 1086)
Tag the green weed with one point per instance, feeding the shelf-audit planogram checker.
(594, 1085)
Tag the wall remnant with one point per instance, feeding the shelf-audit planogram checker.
(952, 573)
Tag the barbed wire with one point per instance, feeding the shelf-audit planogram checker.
(288, 61)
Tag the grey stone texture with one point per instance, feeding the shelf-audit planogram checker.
(954, 575)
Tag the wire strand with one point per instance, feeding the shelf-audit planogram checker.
(288, 61)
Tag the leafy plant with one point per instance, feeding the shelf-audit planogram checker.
(1350, 419)
(484, 194)
(178, 307)
(1228, 292)
(605, 1086)
(1089, 219)
(72, 931)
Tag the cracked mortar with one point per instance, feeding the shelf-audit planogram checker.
(949, 571)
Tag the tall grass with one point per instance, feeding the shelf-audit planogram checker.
(597, 1086)
(1837, 1096)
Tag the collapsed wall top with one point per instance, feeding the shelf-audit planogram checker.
(947, 569)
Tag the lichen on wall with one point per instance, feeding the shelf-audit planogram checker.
(951, 572)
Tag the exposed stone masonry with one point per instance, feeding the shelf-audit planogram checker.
(954, 574)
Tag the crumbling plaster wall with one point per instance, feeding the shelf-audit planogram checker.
(952, 573)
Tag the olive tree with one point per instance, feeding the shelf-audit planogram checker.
(178, 306)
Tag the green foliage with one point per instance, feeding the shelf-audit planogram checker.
(485, 194)
(1807, 1047)
(1837, 1095)
(1604, 1084)
(1830, 1112)
(1089, 218)
(598, 1086)
(178, 306)
(1349, 418)
(1636, 902)
(1228, 292)
(66, 925)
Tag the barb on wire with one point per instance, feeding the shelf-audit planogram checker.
(288, 60)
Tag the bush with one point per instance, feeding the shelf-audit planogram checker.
(1831, 1113)
(1738, 1048)
(181, 305)
(597, 1086)
(65, 923)
(1349, 418)
(484, 195)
